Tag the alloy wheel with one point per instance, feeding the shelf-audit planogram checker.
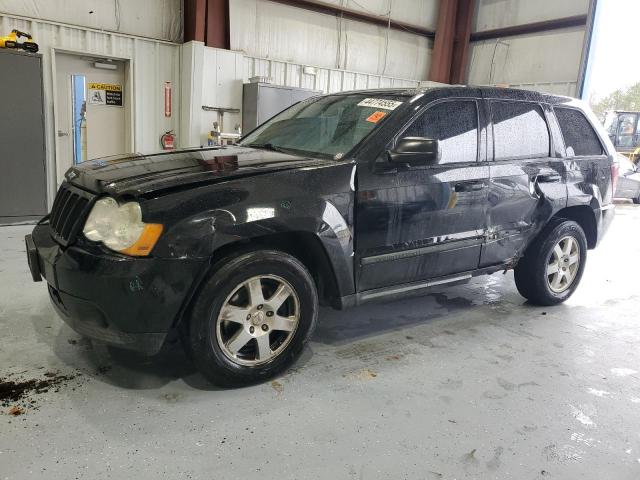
(563, 265)
(258, 320)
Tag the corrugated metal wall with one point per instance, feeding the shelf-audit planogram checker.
(548, 62)
(158, 19)
(153, 63)
(224, 72)
(269, 30)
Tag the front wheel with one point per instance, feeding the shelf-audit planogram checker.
(552, 266)
(252, 317)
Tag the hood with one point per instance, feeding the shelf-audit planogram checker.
(138, 174)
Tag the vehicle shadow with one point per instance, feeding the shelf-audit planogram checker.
(132, 370)
(370, 320)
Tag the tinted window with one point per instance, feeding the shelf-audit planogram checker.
(455, 125)
(519, 130)
(579, 137)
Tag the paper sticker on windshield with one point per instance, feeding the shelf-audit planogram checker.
(375, 117)
(380, 103)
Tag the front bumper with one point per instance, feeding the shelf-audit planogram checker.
(123, 301)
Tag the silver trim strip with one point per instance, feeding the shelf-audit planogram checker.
(454, 241)
(410, 288)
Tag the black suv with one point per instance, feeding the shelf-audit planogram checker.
(341, 199)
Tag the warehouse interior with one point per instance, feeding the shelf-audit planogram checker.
(468, 381)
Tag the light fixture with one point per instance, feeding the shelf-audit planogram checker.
(105, 66)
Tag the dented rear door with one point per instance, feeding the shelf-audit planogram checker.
(528, 179)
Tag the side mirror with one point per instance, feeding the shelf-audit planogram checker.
(415, 151)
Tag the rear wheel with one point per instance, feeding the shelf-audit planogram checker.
(252, 317)
(552, 266)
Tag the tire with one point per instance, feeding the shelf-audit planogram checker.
(214, 343)
(636, 200)
(531, 273)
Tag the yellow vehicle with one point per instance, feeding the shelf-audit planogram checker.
(13, 41)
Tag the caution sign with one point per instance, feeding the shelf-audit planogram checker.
(105, 94)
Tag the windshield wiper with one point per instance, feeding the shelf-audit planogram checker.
(268, 146)
(288, 151)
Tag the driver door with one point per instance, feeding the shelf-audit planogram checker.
(422, 222)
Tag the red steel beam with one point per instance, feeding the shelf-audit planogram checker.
(194, 20)
(357, 15)
(460, 56)
(217, 24)
(443, 45)
(530, 28)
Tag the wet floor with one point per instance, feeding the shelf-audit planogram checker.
(468, 382)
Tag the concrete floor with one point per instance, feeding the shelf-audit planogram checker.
(469, 382)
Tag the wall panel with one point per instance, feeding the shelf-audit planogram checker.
(265, 29)
(153, 63)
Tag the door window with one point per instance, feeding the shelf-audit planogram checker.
(455, 125)
(519, 130)
(579, 137)
(79, 118)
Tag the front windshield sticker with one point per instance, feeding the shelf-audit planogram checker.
(375, 117)
(380, 103)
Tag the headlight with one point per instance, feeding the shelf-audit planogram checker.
(120, 227)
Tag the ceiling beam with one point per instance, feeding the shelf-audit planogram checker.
(357, 15)
(531, 28)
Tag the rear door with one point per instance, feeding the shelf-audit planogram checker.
(527, 180)
(423, 222)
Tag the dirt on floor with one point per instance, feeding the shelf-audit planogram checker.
(19, 393)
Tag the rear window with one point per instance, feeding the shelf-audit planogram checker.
(519, 130)
(579, 137)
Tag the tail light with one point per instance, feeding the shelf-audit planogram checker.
(615, 172)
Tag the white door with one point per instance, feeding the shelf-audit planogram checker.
(90, 109)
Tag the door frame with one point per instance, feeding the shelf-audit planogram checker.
(129, 102)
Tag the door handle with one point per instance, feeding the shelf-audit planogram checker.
(63, 134)
(469, 186)
(550, 178)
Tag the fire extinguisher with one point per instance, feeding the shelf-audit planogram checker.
(167, 140)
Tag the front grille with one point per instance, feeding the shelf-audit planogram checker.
(69, 211)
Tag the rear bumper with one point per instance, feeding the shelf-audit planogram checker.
(123, 301)
(607, 214)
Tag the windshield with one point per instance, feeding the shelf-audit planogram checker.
(325, 126)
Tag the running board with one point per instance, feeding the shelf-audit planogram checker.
(411, 289)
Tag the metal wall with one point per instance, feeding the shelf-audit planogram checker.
(265, 29)
(213, 77)
(549, 62)
(158, 19)
(152, 63)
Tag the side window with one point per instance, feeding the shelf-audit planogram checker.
(579, 137)
(519, 130)
(455, 125)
